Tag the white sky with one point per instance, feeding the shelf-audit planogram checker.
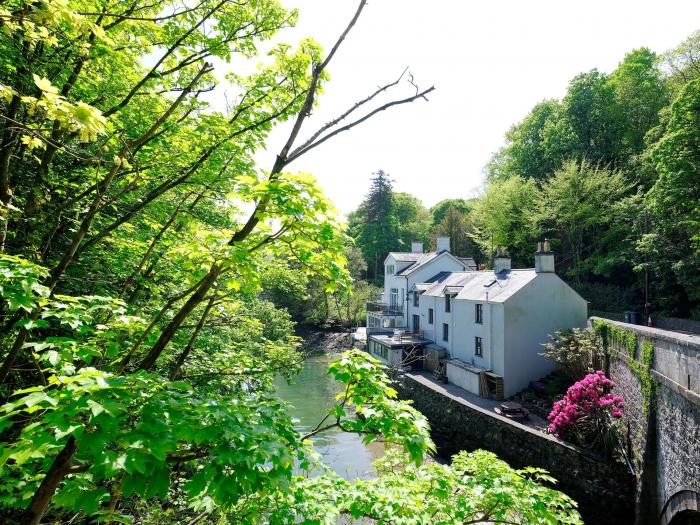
(490, 62)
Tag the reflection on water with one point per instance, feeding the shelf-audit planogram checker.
(311, 394)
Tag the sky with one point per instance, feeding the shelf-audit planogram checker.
(490, 62)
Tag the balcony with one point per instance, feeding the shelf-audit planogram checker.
(385, 309)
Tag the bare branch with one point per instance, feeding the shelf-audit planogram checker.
(359, 121)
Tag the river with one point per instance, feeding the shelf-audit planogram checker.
(311, 394)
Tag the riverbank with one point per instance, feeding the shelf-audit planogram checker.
(318, 341)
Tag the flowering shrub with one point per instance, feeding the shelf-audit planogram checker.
(586, 414)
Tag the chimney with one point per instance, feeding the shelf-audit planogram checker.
(416, 247)
(544, 258)
(443, 244)
(501, 261)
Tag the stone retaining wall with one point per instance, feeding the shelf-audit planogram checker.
(663, 440)
(603, 490)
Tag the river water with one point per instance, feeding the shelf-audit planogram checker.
(311, 394)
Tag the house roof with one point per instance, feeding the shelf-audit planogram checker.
(473, 286)
(423, 258)
(406, 256)
(469, 262)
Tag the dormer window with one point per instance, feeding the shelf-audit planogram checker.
(390, 269)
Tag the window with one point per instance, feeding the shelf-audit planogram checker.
(390, 269)
(394, 297)
(447, 303)
(416, 297)
(430, 316)
(478, 314)
(445, 332)
(478, 347)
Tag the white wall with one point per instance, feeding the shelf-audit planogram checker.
(544, 305)
(442, 263)
(491, 332)
(463, 378)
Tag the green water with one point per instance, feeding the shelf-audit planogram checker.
(311, 394)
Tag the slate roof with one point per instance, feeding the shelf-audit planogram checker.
(469, 262)
(473, 286)
(406, 256)
(422, 259)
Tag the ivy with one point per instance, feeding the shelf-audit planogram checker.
(623, 339)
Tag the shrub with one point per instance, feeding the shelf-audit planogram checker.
(587, 414)
(571, 351)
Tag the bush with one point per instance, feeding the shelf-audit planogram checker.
(571, 350)
(587, 414)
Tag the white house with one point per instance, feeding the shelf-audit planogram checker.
(491, 323)
(402, 271)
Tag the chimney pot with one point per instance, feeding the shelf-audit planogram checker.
(544, 258)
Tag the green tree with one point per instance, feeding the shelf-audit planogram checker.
(439, 211)
(577, 204)
(503, 216)
(413, 220)
(375, 225)
(674, 200)
(640, 93)
(458, 227)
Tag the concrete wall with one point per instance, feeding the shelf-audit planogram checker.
(543, 306)
(602, 489)
(462, 376)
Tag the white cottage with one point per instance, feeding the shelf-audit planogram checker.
(491, 323)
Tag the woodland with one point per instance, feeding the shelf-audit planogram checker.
(609, 174)
(141, 253)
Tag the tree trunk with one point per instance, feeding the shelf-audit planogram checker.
(169, 331)
(175, 372)
(60, 467)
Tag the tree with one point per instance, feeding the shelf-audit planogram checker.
(674, 198)
(577, 203)
(413, 220)
(640, 93)
(457, 226)
(503, 217)
(375, 226)
(439, 211)
(529, 152)
(682, 63)
(123, 182)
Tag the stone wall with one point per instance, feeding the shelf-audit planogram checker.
(602, 489)
(663, 439)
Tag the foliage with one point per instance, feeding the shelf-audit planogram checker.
(503, 217)
(674, 198)
(476, 487)
(577, 205)
(586, 414)
(374, 225)
(571, 351)
(458, 227)
(439, 211)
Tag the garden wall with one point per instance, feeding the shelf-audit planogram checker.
(603, 490)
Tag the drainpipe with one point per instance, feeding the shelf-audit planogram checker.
(490, 346)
